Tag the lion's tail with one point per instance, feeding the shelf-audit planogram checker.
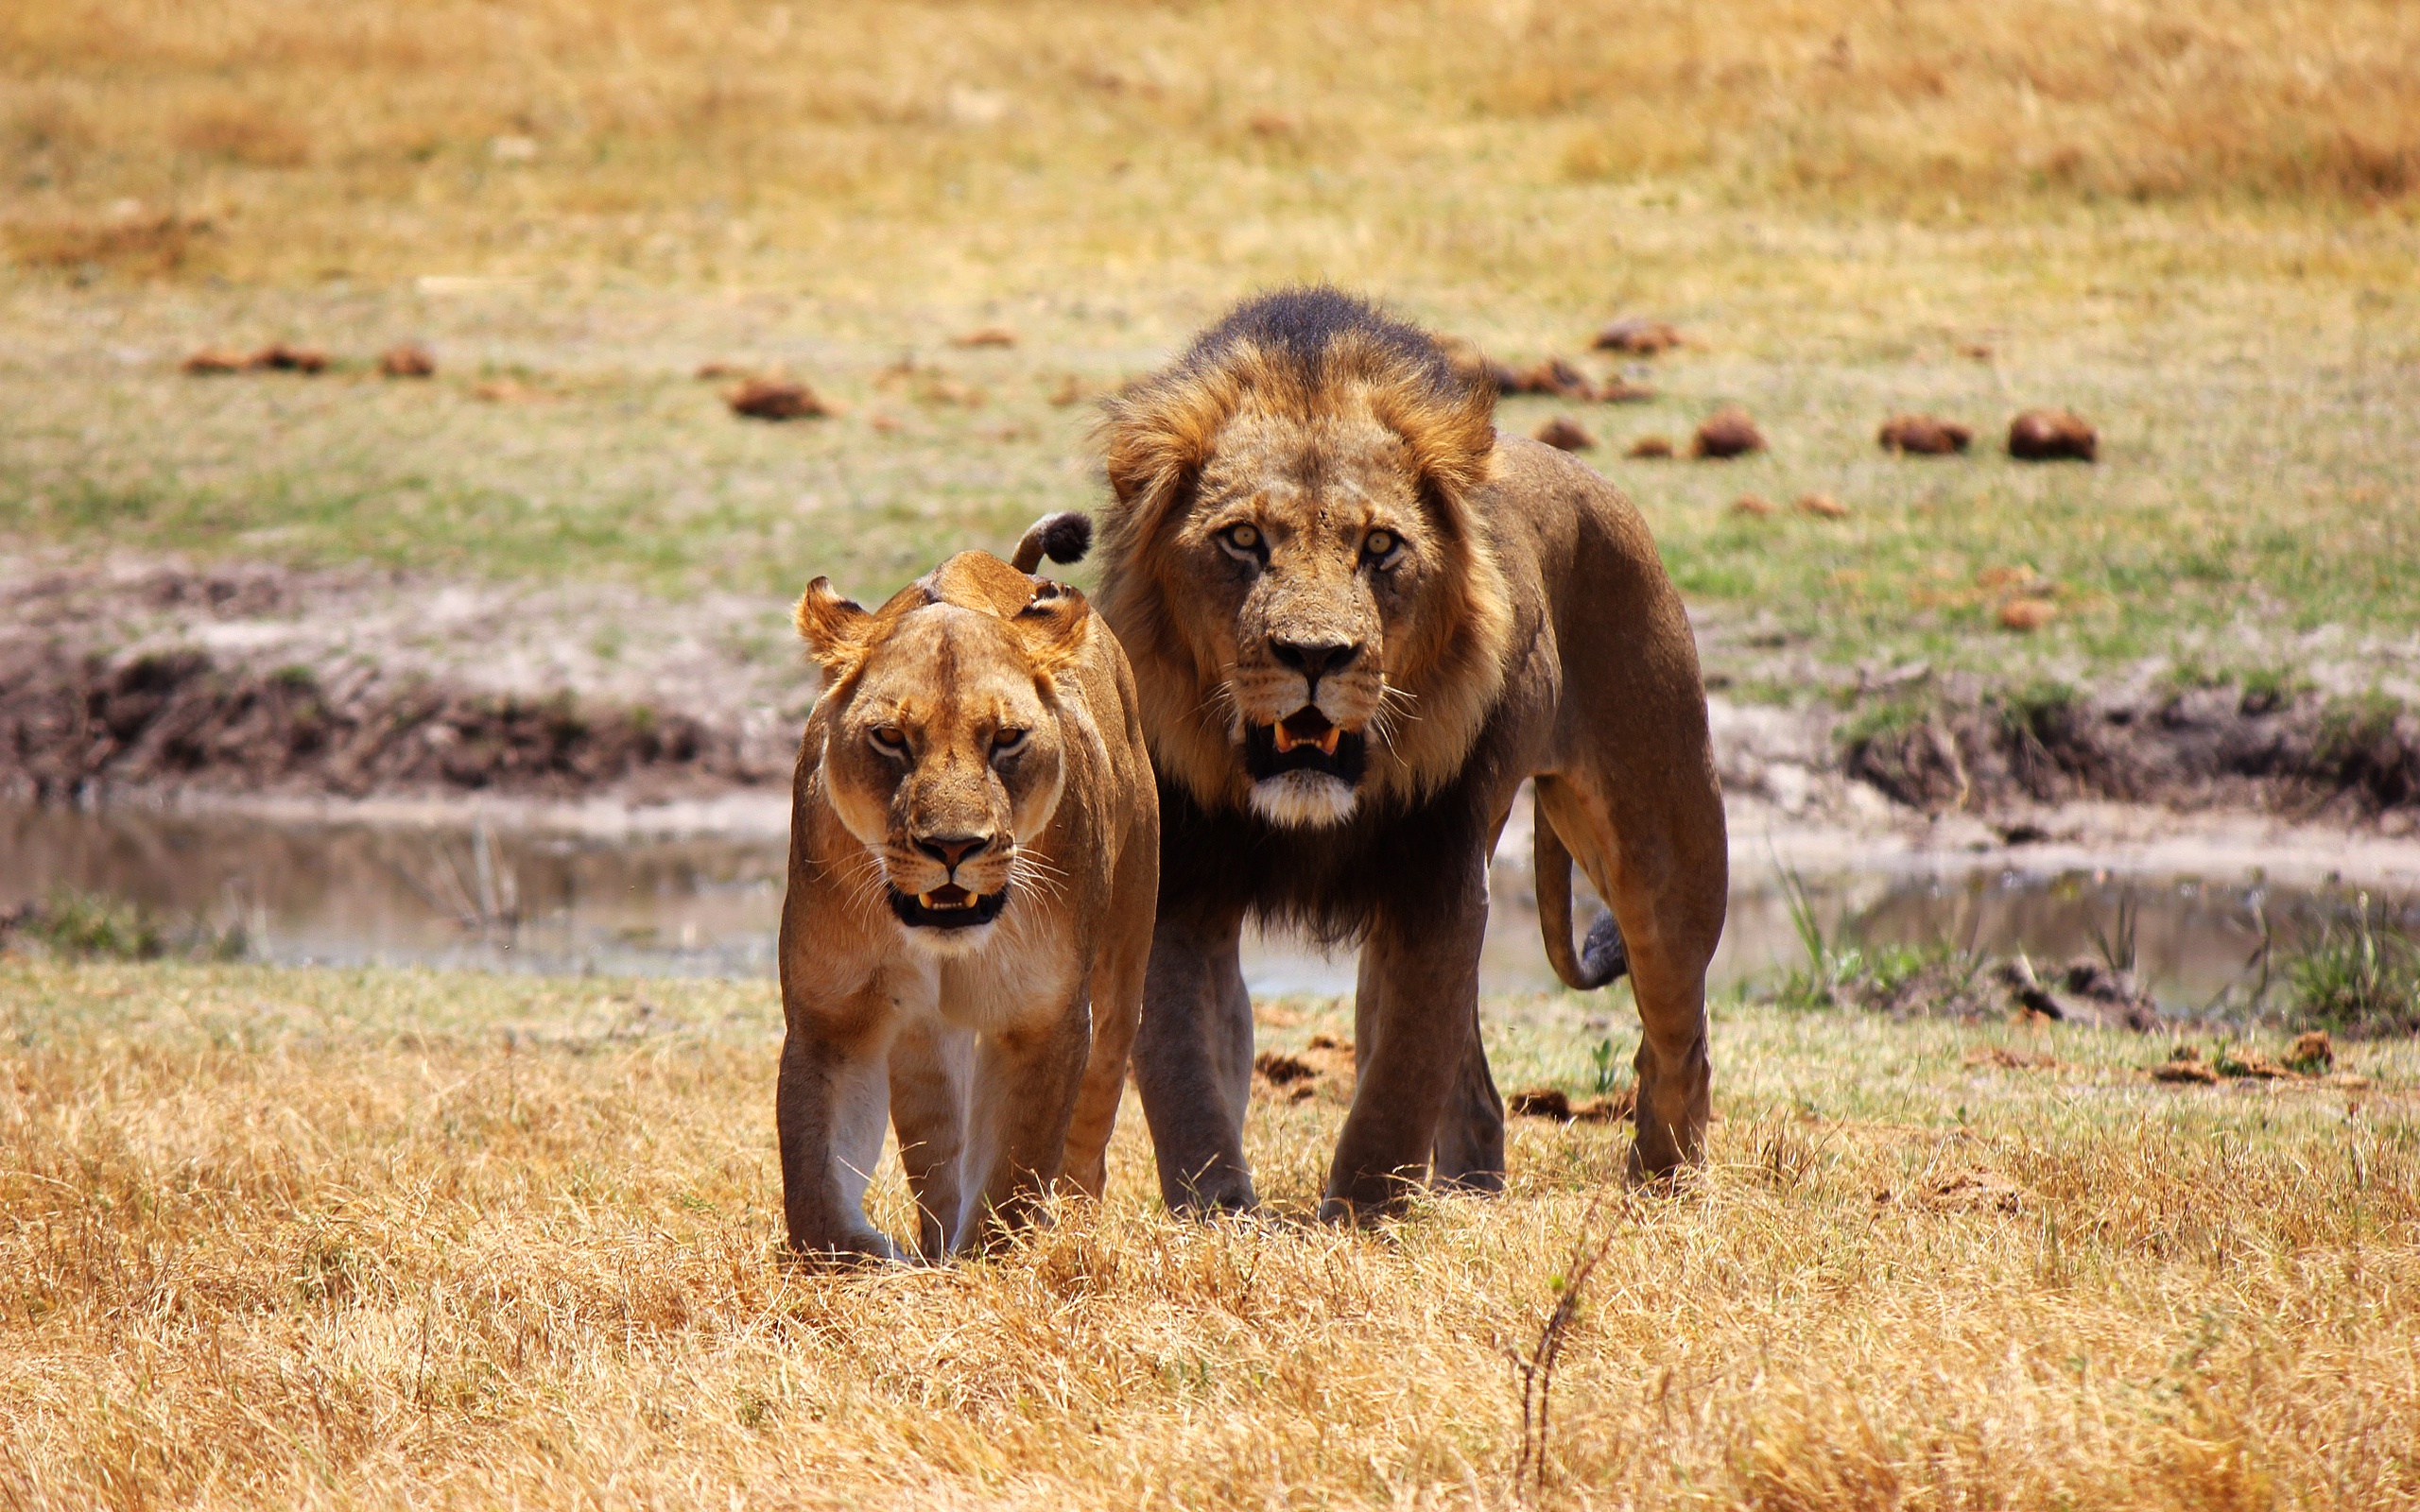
(1063, 536)
(1602, 956)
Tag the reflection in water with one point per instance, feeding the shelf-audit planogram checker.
(351, 893)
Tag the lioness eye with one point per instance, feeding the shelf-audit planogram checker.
(1243, 540)
(1379, 544)
(890, 738)
(1007, 739)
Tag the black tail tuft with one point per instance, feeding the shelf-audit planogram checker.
(1063, 536)
(1603, 954)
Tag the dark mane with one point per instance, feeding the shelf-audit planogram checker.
(1298, 327)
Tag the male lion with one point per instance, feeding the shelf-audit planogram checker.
(1358, 618)
(974, 855)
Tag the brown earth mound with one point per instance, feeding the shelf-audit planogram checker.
(1727, 433)
(2052, 435)
(773, 399)
(411, 360)
(1564, 434)
(1637, 335)
(1924, 435)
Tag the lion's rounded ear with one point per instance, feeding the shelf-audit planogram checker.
(834, 628)
(1155, 436)
(1053, 627)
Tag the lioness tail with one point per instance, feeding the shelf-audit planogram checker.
(1602, 956)
(1063, 536)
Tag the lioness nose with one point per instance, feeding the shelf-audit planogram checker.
(1314, 659)
(952, 850)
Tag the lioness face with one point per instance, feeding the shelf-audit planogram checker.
(1311, 547)
(945, 764)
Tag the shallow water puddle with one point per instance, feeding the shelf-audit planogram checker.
(526, 900)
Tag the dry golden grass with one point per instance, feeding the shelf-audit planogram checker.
(889, 144)
(328, 1239)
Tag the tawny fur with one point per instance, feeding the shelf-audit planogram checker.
(984, 705)
(1315, 531)
(1262, 409)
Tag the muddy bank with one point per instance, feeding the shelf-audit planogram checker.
(252, 680)
(257, 679)
(73, 727)
(2228, 747)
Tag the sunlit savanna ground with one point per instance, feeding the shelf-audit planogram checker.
(322, 1238)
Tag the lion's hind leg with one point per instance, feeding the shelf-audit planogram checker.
(1665, 870)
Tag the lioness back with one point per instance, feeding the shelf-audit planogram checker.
(974, 863)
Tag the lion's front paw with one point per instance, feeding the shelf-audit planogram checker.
(859, 1248)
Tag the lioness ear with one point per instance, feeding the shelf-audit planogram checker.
(833, 627)
(1053, 627)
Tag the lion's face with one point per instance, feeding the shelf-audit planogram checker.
(1308, 556)
(944, 757)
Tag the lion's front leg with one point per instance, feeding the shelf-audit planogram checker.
(1411, 1052)
(831, 1105)
(1024, 1086)
(1469, 1154)
(1193, 1060)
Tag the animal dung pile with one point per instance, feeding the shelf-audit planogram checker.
(1751, 504)
(2309, 1059)
(775, 399)
(1553, 1102)
(283, 358)
(411, 360)
(2026, 615)
(1326, 1062)
(1564, 434)
(2052, 435)
(1823, 506)
(991, 335)
(1555, 377)
(278, 357)
(1650, 448)
(1727, 433)
(1924, 435)
(1637, 335)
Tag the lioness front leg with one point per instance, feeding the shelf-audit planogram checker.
(1412, 1048)
(1025, 1081)
(931, 1066)
(1193, 1060)
(830, 1109)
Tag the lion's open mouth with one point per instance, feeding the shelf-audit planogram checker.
(1306, 741)
(947, 906)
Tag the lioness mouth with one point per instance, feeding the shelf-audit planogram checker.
(947, 906)
(1304, 741)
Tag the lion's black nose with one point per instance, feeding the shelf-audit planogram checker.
(1314, 659)
(952, 850)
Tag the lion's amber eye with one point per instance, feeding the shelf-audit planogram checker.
(890, 738)
(1379, 544)
(1244, 541)
(1007, 739)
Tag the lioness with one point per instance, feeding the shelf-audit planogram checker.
(974, 855)
(1359, 618)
